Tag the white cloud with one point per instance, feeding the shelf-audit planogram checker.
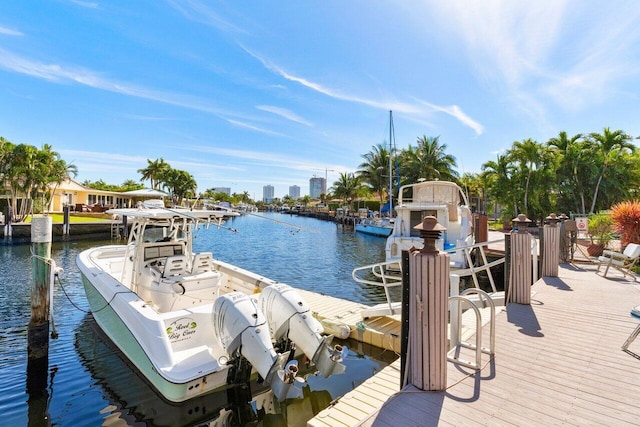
(573, 54)
(283, 112)
(253, 127)
(87, 4)
(402, 107)
(77, 75)
(203, 13)
(9, 32)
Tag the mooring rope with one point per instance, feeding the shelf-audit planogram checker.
(57, 276)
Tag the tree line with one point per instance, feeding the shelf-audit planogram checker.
(581, 174)
(27, 174)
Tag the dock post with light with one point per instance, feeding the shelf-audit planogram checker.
(521, 265)
(426, 367)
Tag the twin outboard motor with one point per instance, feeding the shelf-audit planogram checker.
(289, 316)
(241, 326)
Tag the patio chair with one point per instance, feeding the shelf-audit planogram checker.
(635, 311)
(622, 261)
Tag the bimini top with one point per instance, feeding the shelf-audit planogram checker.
(162, 213)
(432, 192)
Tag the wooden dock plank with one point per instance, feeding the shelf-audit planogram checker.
(558, 362)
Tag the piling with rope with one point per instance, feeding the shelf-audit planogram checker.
(38, 329)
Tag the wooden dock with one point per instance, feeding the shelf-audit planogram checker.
(558, 362)
(382, 332)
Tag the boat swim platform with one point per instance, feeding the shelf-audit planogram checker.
(558, 361)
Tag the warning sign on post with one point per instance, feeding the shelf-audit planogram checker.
(582, 226)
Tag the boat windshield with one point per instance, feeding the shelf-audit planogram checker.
(156, 234)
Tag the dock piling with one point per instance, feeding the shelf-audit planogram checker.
(551, 246)
(521, 263)
(428, 309)
(8, 219)
(38, 329)
(66, 225)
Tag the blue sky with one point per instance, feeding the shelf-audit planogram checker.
(247, 93)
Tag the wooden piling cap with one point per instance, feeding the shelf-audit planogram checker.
(521, 219)
(430, 223)
(552, 219)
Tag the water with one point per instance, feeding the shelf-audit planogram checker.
(90, 384)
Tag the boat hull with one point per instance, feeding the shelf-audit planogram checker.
(373, 230)
(108, 309)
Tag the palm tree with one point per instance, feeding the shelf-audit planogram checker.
(180, 184)
(471, 183)
(528, 154)
(347, 187)
(374, 171)
(428, 160)
(608, 145)
(499, 176)
(130, 184)
(572, 168)
(154, 171)
(59, 171)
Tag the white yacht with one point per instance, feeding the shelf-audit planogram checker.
(442, 199)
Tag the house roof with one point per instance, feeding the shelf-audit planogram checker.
(145, 192)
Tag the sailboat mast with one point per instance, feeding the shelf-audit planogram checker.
(390, 164)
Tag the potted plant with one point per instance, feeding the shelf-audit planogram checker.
(625, 217)
(600, 232)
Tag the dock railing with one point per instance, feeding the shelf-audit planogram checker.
(388, 275)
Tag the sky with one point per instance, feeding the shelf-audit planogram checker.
(243, 94)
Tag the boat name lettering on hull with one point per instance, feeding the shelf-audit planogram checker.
(181, 329)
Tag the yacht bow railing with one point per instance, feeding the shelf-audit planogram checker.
(388, 275)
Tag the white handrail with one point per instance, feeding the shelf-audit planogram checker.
(388, 274)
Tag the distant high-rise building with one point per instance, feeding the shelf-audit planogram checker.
(225, 190)
(294, 192)
(267, 193)
(317, 186)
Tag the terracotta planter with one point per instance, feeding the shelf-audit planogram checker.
(595, 249)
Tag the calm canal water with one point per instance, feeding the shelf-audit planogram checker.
(89, 383)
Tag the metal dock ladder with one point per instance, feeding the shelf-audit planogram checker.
(117, 231)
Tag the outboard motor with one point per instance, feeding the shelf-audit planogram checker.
(241, 326)
(289, 316)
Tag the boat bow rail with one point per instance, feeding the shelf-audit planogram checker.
(388, 275)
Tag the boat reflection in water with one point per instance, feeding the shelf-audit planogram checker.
(133, 401)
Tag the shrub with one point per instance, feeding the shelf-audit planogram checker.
(601, 228)
(626, 221)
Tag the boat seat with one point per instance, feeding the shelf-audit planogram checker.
(176, 265)
(202, 262)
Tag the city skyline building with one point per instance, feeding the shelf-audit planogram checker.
(317, 186)
(294, 192)
(267, 193)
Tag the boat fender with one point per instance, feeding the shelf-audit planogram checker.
(335, 328)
